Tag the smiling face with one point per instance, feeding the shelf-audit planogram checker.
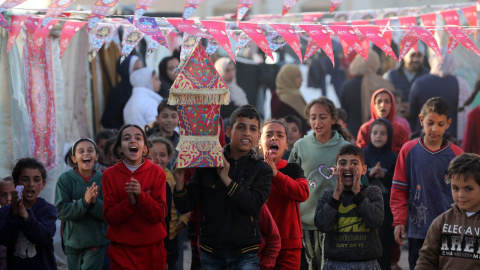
(274, 140)
(466, 193)
(133, 146)
(244, 135)
(33, 183)
(161, 154)
(379, 135)
(85, 157)
(383, 105)
(434, 126)
(6, 192)
(168, 121)
(348, 166)
(321, 122)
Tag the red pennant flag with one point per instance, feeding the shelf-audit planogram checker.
(99, 11)
(287, 5)
(10, 4)
(471, 15)
(256, 34)
(346, 49)
(55, 9)
(409, 40)
(460, 36)
(141, 7)
(334, 4)
(451, 17)
(17, 22)
(428, 38)
(218, 32)
(312, 16)
(4, 23)
(31, 24)
(429, 20)
(190, 7)
(372, 33)
(42, 33)
(70, 28)
(363, 39)
(386, 30)
(321, 36)
(243, 7)
(347, 34)
(312, 48)
(408, 21)
(188, 26)
(288, 33)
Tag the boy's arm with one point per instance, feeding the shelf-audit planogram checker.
(326, 212)
(295, 188)
(370, 206)
(40, 229)
(68, 209)
(429, 254)
(153, 207)
(113, 212)
(271, 237)
(187, 198)
(399, 191)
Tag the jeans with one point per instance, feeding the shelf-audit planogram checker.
(246, 262)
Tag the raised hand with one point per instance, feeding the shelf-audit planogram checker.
(91, 194)
(356, 179)
(269, 159)
(339, 186)
(223, 172)
(179, 176)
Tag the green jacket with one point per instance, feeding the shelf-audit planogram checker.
(84, 225)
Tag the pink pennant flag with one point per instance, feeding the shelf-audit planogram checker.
(471, 15)
(451, 17)
(360, 35)
(190, 7)
(55, 9)
(428, 38)
(149, 27)
(321, 36)
(334, 4)
(131, 37)
(243, 7)
(32, 24)
(460, 36)
(42, 33)
(288, 33)
(429, 20)
(99, 11)
(70, 28)
(4, 23)
(347, 34)
(408, 21)
(256, 34)
(10, 4)
(409, 40)
(188, 26)
(452, 44)
(218, 32)
(312, 16)
(104, 30)
(312, 48)
(16, 26)
(287, 5)
(386, 30)
(152, 46)
(372, 33)
(141, 7)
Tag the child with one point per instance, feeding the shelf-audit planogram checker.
(101, 139)
(289, 188)
(419, 192)
(27, 225)
(79, 200)
(315, 153)
(380, 160)
(382, 105)
(7, 189)
(452, 239)
(134, 205)
(108, 150)
(350, 216)
(294, 125)
(231, 197)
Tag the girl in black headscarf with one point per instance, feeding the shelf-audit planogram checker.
(167, 74)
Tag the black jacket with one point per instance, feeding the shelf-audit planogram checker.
(229, 225)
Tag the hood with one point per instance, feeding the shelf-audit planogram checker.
(162, 69)
(142, 78)
(388, 146)
(373, 114)
(125, 68)
(336, 139)
(442, 69)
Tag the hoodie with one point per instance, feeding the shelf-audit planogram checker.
(452, 242)
(141, 224)
(400, 135)
(317, 161)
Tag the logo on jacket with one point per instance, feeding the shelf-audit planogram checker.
(350, 224)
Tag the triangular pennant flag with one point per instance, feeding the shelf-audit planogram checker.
(288, 33)
(16, 26)
(409, 40)
(365, 42)
(42, 33)
(212, 47)
(188, 45)
(99, 11)
(334, 4)
(70, 28)
(347, 50)
(152, 46)
(408, 21)
(188, 26)
(55, 9)
(457, 33)
(312, 16)
(312, 48)
(190, 7)
(471, 15)
(141, 8)
(32, 24)
(198, 82)
(4, 23)
(131, 37)
(217, 30)
(243, 7)
(452, 44)
(275, 41)
(150, 28)
(347, 34)
(386, 30)
(10, 4)
(287, 5)
(256, 34)
(372, 33)
(429, 20)
(104, 30)
(322, 37)
(451, 17)
(428, 38)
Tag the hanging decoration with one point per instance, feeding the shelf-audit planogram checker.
(141, 8)
(70, 28)
(428, 38)
(152, 46)
(256, 34)
(471, 15)
(99, 11)
(243, 7)
(188, 26)
(461, 37)
(15, 27)
(385, 27)
(10, 4)
(275, 41)
(190, 7)
(334, 4)
(287, 5)
(289, 35)
(372, 33)
(347, 34)
(312, 48)
(131, 37)
(450, 17)
(409, 40)
(321, 36)
(55, 9)
(429, 20)
(42, 33)
(149, 27)
(188, 45)
(217, 30)
(104, 30)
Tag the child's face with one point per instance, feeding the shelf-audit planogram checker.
(85, 156)
(168, 120)
(466, 193)
(133, 146)
(383, 105)
(379, 135)
(293, 133)
(341, 123)
(321, 120)
(434, 126)
(348, 167)
(33, 182)
(161, 154)
(244, 135)
(273, 140)
(151, 155)
(6, 192)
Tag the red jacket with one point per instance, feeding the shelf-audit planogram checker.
(285, 195)
(141, 224)
(471, 143)
(270, 245)
(400, 135)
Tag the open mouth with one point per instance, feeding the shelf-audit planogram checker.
(87, 161)
(348, 176)
(133, 149)
(29, 192)
(273, 147)
(245, 141)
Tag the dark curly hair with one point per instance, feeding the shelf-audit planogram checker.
(29, 163)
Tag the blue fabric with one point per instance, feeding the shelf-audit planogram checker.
(350, 97)
(246, 262)
(400, 81)
(414, 246)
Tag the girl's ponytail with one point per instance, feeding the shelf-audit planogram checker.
(343, 132)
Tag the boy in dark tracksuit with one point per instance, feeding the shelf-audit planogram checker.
(231, 197)
(350, 216)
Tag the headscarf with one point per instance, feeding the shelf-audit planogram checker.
(371, 81)
(166, 81)
(125, 69)
(142, 78)
(237, 95)
(287, 90)
(388, 146)
(441, 69)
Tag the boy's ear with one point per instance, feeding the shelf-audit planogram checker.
(364, 170)
(420, 117)
(449, 122)
(228, 132)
